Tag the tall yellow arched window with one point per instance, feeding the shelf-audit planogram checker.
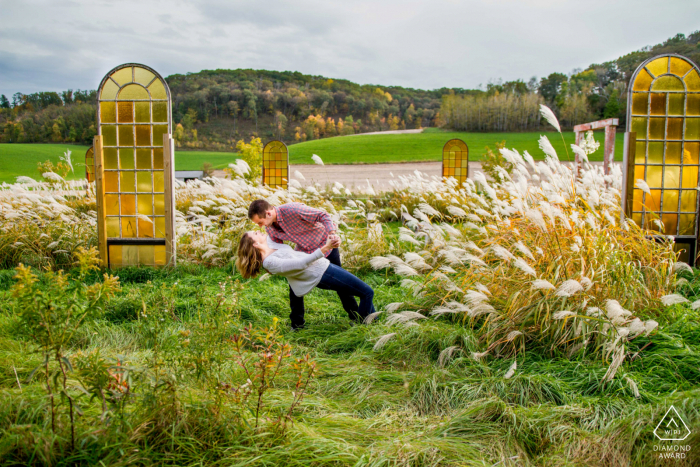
(455, 160)
(276, 164)
(134, 168)
(663, 113)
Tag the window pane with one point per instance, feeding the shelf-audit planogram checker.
(692, 81)
(108, 112)
(693, 107)
(126, 112)
(160, 227)
(654, 176)
(672, 176)
(158, 158)
(158, 182)
(692, 128)
(128, 205)
(133, 92)
(656, 128)
(675, 128)
(658, 66)
(143, 76)
(112, 205)
(143, 158)
(668, 83)
(160, 111)
(123, 76)
(158, 132)
(673, 152)
(128, 227)
(670, 223)
(111, 182)
(126, 135)
(676, 104)
(110, 161)
(691, 153)
(143, 180)
(126, 181)
(688, 200)
(143, 112)
(679, 66)
(656, 153)
(690, 177)
(109, 90)
(157, 90)
(639, 125)
(687, 224)
(643, 81)
(143, 135)
(145, 228)
(113, 227)
(145, 204)
(126, 158)
(159, 203)
(109, 135)
(658, 103)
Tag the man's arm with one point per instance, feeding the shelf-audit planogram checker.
(313, 216)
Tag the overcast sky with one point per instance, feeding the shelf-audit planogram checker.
(56, 45)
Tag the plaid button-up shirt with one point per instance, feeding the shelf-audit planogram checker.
(302, 225)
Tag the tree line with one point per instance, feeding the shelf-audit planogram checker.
(213, 109)
(598, 92)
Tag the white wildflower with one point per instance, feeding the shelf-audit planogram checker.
(383, 340)
(569, 288)
(542, 284)
(550, 117)
(673, 299)
(317, 160)
(523, 266)
(511, 371)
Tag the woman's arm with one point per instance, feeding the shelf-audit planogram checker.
(282, 265)
(275, 265)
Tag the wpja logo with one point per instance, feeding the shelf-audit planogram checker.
(672, 427)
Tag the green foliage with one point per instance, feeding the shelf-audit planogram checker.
(491, 160)
(53, 313)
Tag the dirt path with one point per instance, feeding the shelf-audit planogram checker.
(357, 175)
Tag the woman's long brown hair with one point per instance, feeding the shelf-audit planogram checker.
(249, 259)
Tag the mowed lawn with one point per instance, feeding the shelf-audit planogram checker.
(22, 159)
(427, 146)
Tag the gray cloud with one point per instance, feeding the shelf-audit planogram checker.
(56, 45)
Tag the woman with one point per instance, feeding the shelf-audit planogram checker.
(303, 271)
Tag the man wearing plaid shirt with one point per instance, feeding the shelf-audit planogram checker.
(309, 229)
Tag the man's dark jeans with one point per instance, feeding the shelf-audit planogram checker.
(346, 294)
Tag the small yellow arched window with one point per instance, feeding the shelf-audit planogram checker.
(663, 110)
(90, 165)
(455, 160)
(134, 114)
(276, 164)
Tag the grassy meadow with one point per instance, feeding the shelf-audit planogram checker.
(396, 406)
(22, 159)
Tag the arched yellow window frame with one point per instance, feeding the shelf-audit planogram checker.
(275, 164)
(663, 148)
(455, 160)
(134, 168)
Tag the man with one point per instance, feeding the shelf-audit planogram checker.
(308, 229)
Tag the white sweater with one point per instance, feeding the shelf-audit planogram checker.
(303, 271)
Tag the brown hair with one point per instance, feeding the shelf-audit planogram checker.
(258, 208)
(249, 259)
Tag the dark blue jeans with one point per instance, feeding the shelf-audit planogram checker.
(345, 284)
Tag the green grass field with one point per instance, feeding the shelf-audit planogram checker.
(427, 146)
(22, 159)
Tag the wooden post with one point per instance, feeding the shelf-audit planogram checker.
(609, 150)
(577, 158)
(100, 200)
(628, 155)
(169, 179)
